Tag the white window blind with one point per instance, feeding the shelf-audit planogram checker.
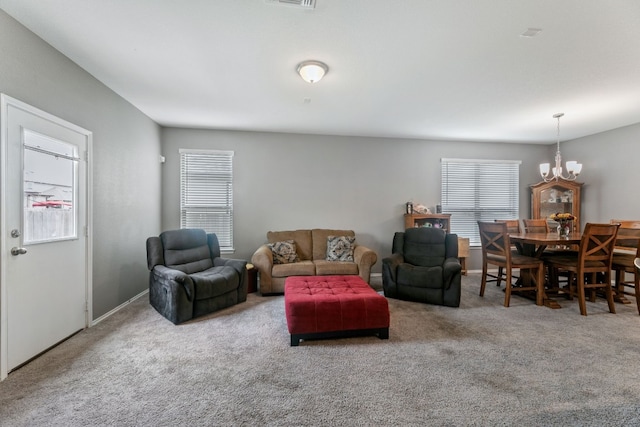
(479, 190)
(206, 193)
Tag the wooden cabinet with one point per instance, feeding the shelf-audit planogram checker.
(422, 220)
(556, 196)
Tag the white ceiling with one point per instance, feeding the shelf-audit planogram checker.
(432, 69)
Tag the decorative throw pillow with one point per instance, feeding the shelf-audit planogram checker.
(284, 252)
(340, 248)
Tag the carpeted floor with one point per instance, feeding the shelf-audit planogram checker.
(480, 364)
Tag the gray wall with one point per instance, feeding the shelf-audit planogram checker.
(126, 149)
(287, 181)
(282, 181)
(610, 173)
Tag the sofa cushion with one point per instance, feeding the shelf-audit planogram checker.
(342, 268)
(320, 235)
(215, 281)
(301, 237)
(340, 248)
(284, 252)
(300, 268)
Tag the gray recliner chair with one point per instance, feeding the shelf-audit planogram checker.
(423, 267)
(188, 278)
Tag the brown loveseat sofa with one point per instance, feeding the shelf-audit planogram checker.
(310, 257)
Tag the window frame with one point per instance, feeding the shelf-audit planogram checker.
(206, 193)
(480, 196)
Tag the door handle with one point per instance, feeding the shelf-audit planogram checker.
(18, 251)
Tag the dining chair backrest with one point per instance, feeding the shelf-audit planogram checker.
(494, 237)
(596, 246)
(513, 225)
(496, 250)
(539, 225)
(628, 238)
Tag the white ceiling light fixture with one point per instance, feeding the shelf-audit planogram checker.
(304, 4)
(312, 71)
(573, 168)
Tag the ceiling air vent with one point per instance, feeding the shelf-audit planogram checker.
(304, 4)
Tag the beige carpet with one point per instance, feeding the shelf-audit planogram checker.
(480, 364)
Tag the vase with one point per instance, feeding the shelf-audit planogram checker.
(563, 229)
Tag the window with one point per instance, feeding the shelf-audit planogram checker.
(50, 189)
(206, 193)
(479, 190)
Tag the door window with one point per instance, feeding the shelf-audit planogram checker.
(49, 189)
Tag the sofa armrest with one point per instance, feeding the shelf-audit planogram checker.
(365, 258)
(262, 259)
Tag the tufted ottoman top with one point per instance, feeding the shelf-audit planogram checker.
(333, 303)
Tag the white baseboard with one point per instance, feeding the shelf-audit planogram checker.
(121, 306)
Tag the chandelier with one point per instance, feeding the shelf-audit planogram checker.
(573, 168)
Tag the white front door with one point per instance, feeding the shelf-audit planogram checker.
(45, 270)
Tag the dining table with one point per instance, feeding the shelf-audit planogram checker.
(534, 244)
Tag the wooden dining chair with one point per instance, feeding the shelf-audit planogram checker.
(636, 264)
(538, 225)
(513, 226)
(496, 250)
(626, 250)
(591, 268)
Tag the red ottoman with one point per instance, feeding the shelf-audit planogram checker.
(333, 306)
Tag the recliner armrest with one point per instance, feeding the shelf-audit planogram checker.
(238, 264)
(450, 268)
(389, 274)
(392, 263)
(394, 260)
(174, 279)
(171, 274)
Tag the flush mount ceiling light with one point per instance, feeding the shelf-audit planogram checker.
(573, 168)
(312, 71)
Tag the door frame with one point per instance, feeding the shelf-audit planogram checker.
(5, 102)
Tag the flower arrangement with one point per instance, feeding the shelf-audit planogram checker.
(562, 217)
(563, 220)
